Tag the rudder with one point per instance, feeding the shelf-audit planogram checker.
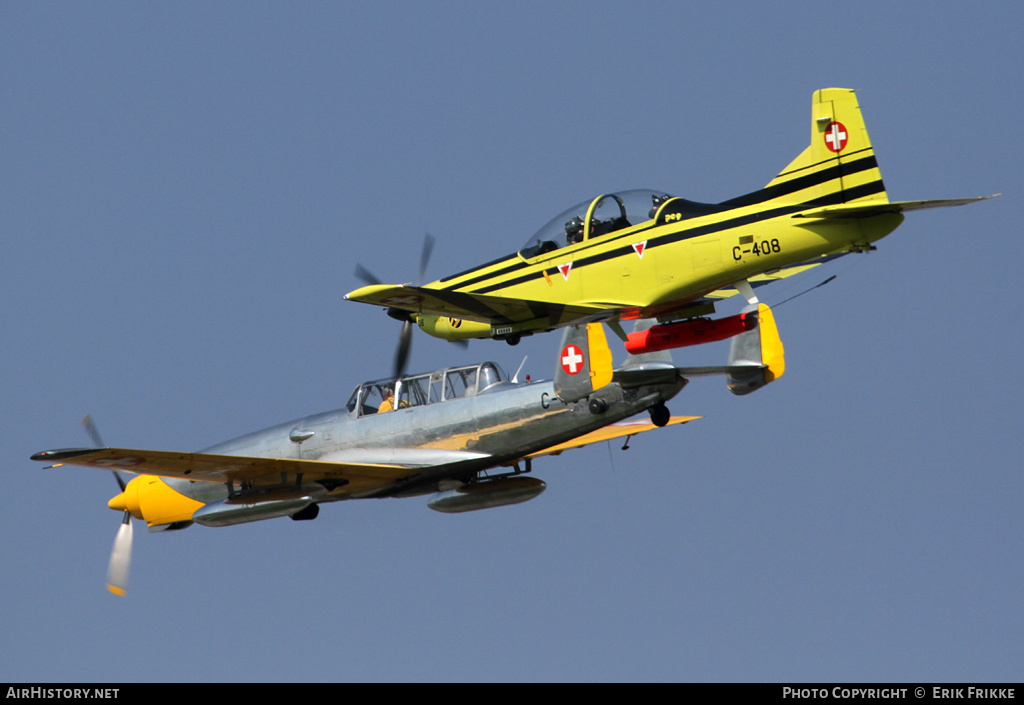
(759, 350)
(839, 165)
(584, 362)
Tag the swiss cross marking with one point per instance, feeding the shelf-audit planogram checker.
(836, 137)
(402, 300)
(572, 359)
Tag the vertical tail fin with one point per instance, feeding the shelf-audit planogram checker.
(584, 362)
(839, 164)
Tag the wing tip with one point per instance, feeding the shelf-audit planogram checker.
(62, 453)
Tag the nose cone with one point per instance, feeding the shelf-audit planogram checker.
(119, 503)
(128, 500)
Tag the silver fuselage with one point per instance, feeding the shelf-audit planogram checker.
(447, 440)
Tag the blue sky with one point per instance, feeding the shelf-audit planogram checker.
(186, 189)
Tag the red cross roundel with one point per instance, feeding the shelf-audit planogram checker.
(836, 136)
(571, 359)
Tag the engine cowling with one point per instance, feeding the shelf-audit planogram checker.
(149, 498)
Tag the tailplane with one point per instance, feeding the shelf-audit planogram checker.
(756, 356)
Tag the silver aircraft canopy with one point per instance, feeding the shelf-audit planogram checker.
(429, 388)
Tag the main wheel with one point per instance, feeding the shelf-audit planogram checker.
(659, 414)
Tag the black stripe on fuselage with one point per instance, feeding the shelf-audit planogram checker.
(838, 170)
(847, 157)
(800, 183)
(679, 235)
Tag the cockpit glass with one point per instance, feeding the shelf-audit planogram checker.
(376, 395)
(351, 404)
(611, 212)
(436, 387)
(458, 382)
(432, 388)
(413, 391)
(489, 376)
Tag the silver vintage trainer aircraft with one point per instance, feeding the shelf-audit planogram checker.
(443, 432)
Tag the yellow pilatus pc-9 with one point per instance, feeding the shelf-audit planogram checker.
(646, 254)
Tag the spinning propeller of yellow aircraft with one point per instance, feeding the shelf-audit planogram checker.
(647, 254)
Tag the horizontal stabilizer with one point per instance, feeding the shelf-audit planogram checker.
(756, 357)
(645, 373)
(866, 210)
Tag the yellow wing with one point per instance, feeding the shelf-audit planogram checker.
(473, 307)
(615, 430)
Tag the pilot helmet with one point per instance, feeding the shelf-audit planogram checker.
(656, 201)
(574, 230)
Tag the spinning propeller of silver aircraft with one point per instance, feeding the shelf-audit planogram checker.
(442, 432)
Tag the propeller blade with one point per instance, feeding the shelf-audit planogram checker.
(428, 248)
(120, 558)
(404, 344)
(405, 337)
(94, 434)
(366, 276)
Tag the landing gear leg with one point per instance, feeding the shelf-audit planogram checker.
(659, 414)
